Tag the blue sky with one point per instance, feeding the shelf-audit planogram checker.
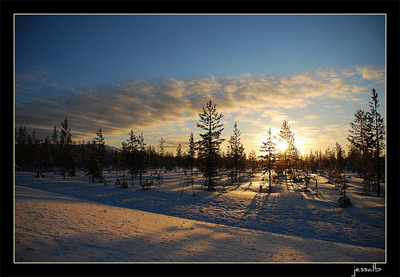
(153, 73)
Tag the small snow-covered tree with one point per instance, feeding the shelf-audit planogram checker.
(344, 200)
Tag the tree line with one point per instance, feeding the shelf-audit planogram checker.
(59, 154)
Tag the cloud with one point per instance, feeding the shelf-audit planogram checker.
(311, 116)
(169, 103)
(371, 72)
(275, 115)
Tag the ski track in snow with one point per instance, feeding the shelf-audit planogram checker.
(74, 220)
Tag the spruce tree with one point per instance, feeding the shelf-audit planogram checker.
(290, 153)
(21, 148)
(55, 149)
(178, 157)
(252, 162)
(377, 130)
(366, 136)
(210, 123)
(340, 160)
(191, 152)
(360, 140)
(67, 161)
(161, 147)
(270, 158)
(236, 153)
(96, 158)
(359, 132)
(141, 157)
(130, 149)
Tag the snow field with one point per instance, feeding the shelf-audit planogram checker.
(74, 220)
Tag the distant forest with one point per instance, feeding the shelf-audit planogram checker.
(59, 154)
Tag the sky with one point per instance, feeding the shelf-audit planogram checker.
(153, 73)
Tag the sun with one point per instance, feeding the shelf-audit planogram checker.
(281, 146)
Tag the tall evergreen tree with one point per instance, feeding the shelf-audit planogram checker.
(360, 141)
(96, 158)
(290, 153)
(366, 136)
(67, 161)
(270, 157)
(359, 132)
(191, 152)
(100, 143)
(134, 152)
(161, 147)
(252, 163)
(130, 149)
(179, 157)
(141, 157)
(236, 153)
(377, 127)
(21, 148)
(55, 149)
(340, 160)
(210, 123)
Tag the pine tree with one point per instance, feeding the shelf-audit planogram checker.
(358, 136)
(67, 162)
(129, 149)
(179, 155)
(191, 152)
(134, 156)
(236, 153)
(253, 163)
(290, 153)
(21, 148)
(161, 147)
(96, 160)
(377, 128)
(55, 149)
(360, 139)
(270, 158)
(210, 122)
(99, 141)
(141, 157)
(366, 136)
(340, 161)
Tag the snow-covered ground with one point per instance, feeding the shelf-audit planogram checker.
(74, 220)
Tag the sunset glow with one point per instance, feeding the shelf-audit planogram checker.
(153, 74)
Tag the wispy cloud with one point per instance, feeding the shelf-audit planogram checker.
(371, 72)
(166, 103)
(311, 116)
